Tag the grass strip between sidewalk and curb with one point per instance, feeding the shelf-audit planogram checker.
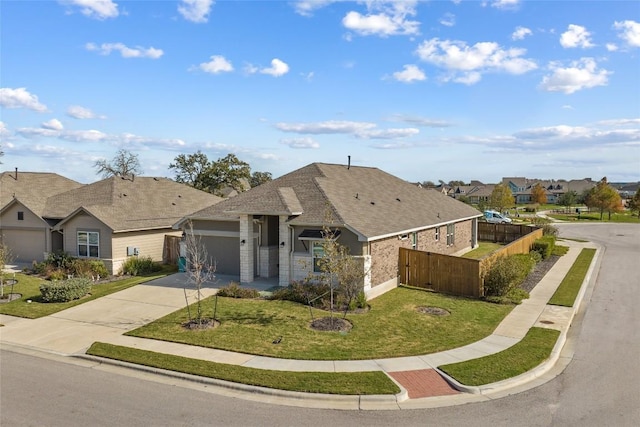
(343, 383)
(568, 289)
(29, 287)
(530, 352)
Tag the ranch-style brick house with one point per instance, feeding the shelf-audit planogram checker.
(110, 220)
(274, 230)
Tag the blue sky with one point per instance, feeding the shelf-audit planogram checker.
(425, 90)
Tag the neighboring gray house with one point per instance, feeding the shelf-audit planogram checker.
(111, 219)
(24, 226)
(274, 230)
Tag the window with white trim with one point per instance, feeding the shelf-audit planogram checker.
(437, 233)
(89, 244)
(414, 240)
(451, 234)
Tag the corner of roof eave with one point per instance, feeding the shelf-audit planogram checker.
(411, 230)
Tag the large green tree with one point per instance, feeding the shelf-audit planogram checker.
(124, 163)
(604, 197)
(567, 199)
(199, 172)
(501, 198)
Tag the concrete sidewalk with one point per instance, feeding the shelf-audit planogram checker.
(72, 331)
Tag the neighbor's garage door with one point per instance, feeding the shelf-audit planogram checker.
(225, 252)
(25, 245)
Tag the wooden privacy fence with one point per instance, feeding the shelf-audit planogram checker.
(171, 249)
(501, 233)
(454, 275)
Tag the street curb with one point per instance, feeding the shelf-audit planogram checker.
(321, 400)
(547, 365)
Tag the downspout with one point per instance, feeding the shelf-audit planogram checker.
(291, 249)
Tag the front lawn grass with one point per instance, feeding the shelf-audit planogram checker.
(393, 327)
(347, 383)
(624, 217)
(534, 349)
(568, 289)
(29, 287)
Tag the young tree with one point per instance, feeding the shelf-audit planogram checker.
(634, 203)
(604, 198)
(568, 199)
(124, 164)
(200, 269)
(501, 198)
(538, 194)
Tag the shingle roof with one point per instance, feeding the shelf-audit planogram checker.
(33, 188)
(124, 204)
(367, 200)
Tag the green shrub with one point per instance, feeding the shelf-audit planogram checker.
(536, 256)
(65, 290)
(544, 246)
(59, 259)
(55, 274)
(89, 268)
(136, 266)
(507, 273)
(549, 230)
(305, 292)
(233, 290)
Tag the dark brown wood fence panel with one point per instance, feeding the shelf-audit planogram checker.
(440, 273)
(171, 249)
(462, 276)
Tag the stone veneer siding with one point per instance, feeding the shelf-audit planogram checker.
(384, 252)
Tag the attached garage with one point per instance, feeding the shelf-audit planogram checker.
(25, 245)
(224, 252)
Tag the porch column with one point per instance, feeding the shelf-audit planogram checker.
(246, 248)
(284, 251)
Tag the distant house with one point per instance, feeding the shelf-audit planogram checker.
(111, 220)
(24, 226)
(521, 188)
(274, 230)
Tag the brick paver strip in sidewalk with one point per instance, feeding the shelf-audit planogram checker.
(423, 383)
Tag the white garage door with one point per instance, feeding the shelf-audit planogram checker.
(25, 245)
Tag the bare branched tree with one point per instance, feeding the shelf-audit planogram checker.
(200, 269)
(125, 164)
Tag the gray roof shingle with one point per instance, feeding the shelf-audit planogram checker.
(33, 189)
(367, 200)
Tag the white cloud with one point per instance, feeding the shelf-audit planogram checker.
(448, 20)
(307, 7)
(278, 68)
(4, 132)
(582, 74)
(629, 32)
(217, 64)
(468, 63)
(619, 122)
(384, 18)
(611, 47)
(505, 4)
(53, 124)
(328, 127)
(576, 36)
(125, 51)
(520, 33)
(364, 130)
(409, 74)
(420, 121)
(195, 10)
(98, 9)
(20, 98)
(78, 112)
(303, 143)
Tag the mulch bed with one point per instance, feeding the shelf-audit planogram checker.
(328, 324)
(538, 273)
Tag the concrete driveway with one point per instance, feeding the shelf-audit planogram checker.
(73, 330)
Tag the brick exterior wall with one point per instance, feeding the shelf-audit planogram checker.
(384, 252)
